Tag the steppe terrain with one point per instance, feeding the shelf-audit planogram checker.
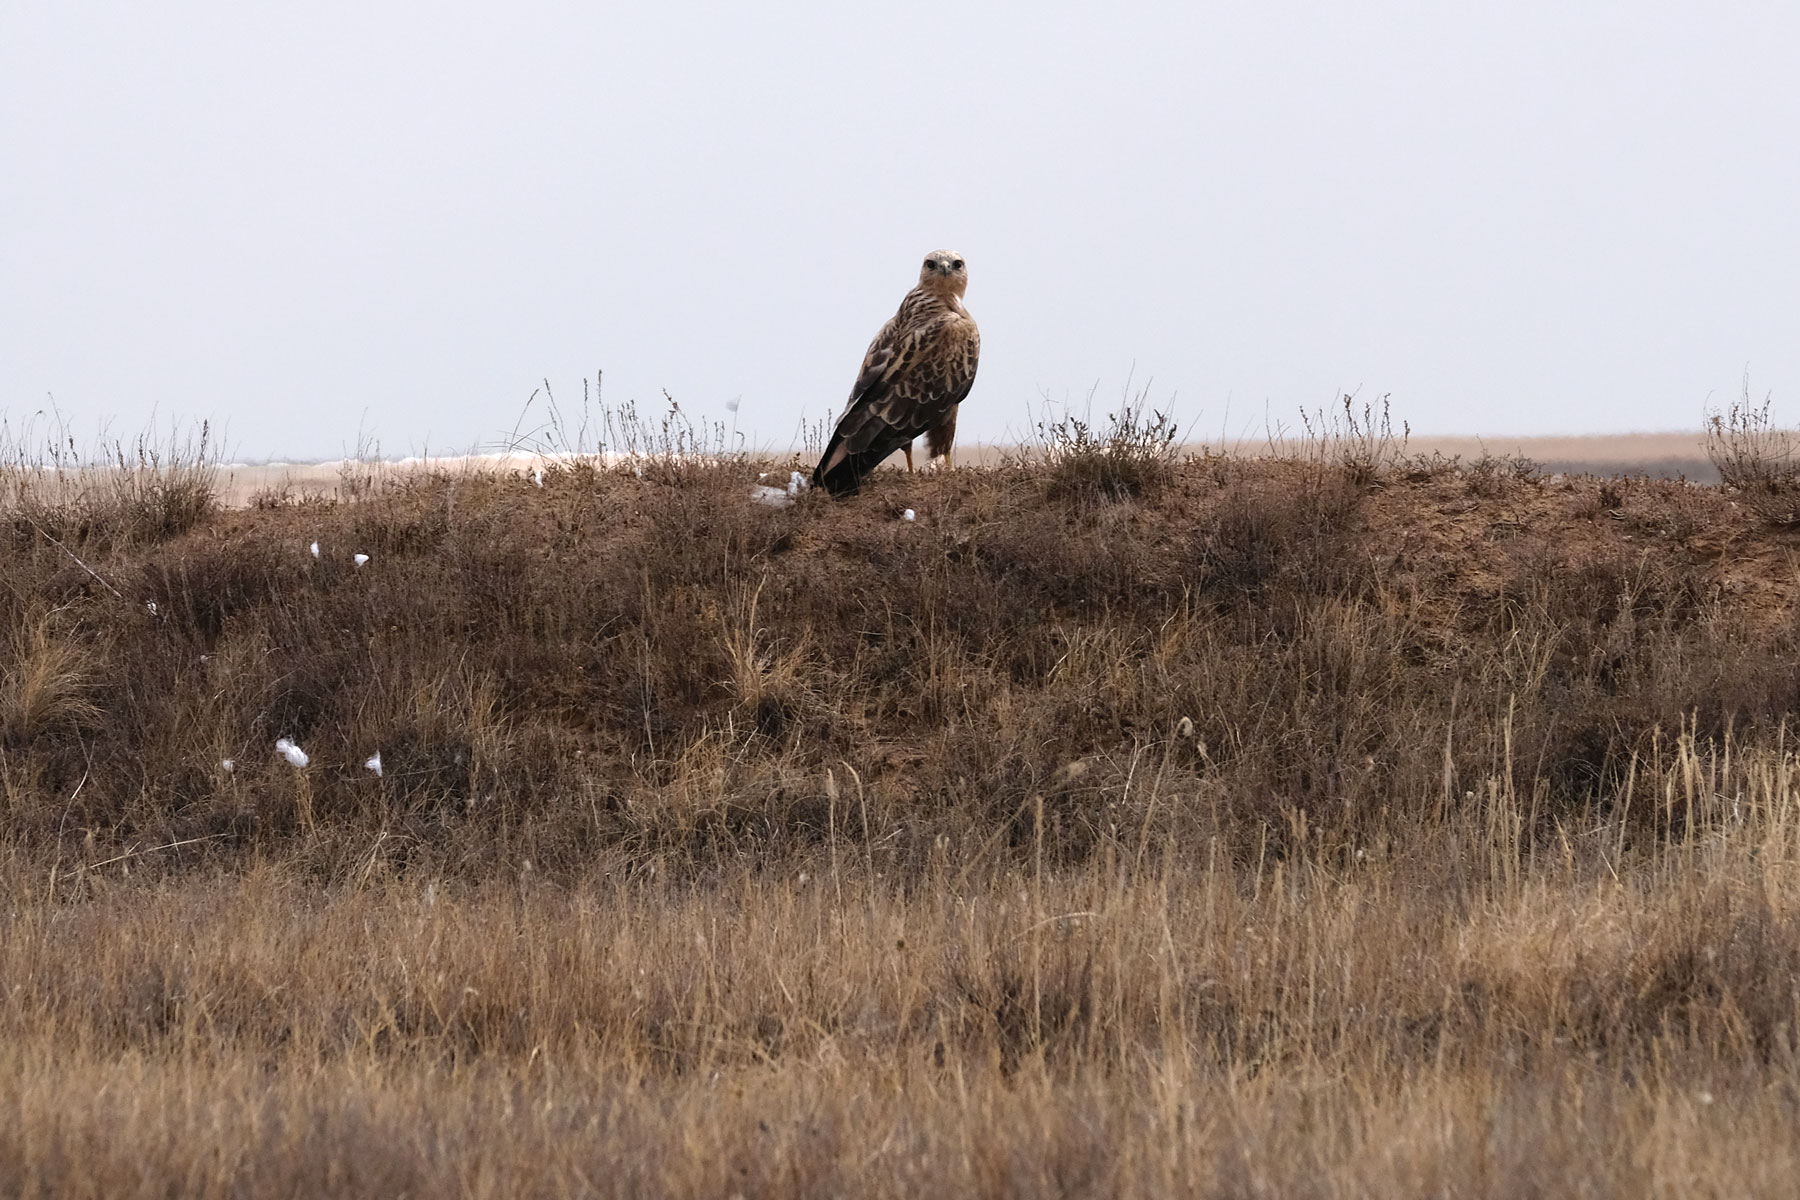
(1354, 821)
(1657, 455)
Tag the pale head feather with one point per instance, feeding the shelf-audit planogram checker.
(945, 272)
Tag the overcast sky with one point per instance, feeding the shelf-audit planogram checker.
(303, 221)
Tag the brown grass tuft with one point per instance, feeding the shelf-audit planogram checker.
(45, 682)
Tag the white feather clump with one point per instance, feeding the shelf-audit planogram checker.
(539, 476)
(374, 763)
(773, 497)
(361, 560)
(227, 765)
(907, 515)
(315, 549)
(291, 752)
(797, 483)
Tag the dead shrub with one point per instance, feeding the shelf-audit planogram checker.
(1495, 475)
(1132, 456)
(1362, 444)
(1756, 459)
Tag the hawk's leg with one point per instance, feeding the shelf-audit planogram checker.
(908, 452)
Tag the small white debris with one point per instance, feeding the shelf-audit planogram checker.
(151, 605)
(908, 515)
(374, 763)
(291, 752)
(361, 559)
(797, 483)
(539, 476)
(227, 765)
(731, 405)
(315, 549)
(773, 497)
(1184, 728)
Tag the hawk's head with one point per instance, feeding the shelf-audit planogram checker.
(945, 270)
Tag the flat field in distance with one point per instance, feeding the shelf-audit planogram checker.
(1125, 824)
(1657, 455)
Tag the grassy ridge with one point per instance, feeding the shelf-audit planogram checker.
(615, 665)
(1340, 824)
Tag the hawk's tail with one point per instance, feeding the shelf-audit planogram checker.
(848, 468)
(846, 475)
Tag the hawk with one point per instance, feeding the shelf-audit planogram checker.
(917, 370)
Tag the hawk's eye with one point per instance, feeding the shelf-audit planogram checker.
(957, 265)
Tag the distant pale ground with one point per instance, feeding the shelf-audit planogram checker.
(1663, 455)
(1660, 455)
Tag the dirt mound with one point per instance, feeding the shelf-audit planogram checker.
(611, 659)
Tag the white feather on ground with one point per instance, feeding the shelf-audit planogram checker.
(773, 497)
(374, 763)
(291, 752)
(315, 549)
(361, 559)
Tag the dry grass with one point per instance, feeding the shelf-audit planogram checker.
(45, 683)
(1135, 453)
(1755, 458)
(1344, 825)
(1362, 444)
(1459, 1013)
(115, 492)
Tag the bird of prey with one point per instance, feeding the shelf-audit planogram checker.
(917, 370)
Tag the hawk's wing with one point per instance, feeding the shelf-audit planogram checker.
(915, 372)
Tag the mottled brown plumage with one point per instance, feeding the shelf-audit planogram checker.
(918, 369)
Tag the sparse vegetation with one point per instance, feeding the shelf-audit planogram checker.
(672, 447)
(119, 491)
(1133, 454)
(1362, 444)
(1755, 458)
(1490, 475)
(1252, 830)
